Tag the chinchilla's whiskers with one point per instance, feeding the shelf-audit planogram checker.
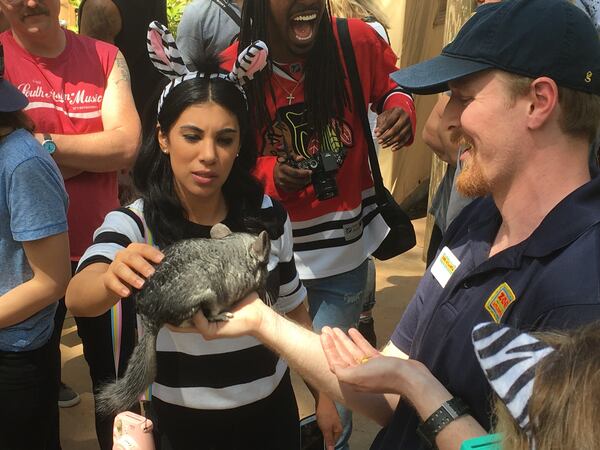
(269, 299)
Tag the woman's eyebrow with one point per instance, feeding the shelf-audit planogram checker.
(228, 130)
(192, 128)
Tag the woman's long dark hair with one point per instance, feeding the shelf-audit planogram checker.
(154, 179)
(325, 89)
(16, 120)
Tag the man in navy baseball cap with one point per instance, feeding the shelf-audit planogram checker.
(11, 99)
(530, 38)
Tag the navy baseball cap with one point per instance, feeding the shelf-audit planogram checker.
(11, 99)
(532, 38)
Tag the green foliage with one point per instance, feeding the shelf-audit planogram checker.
(75, 4)
(174, 11)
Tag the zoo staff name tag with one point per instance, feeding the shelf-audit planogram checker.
(444, 266)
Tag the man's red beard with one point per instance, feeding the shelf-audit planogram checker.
(470, 181)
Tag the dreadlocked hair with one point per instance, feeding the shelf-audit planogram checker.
(325, 96)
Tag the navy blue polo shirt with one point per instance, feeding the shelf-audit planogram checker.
(549, 281)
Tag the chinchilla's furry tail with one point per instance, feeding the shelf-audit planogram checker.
(121, 395)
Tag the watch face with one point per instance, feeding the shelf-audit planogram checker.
(50, 146)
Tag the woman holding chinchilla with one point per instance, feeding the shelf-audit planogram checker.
(193, 172)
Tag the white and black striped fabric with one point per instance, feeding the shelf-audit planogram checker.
(509, 358)
(250, 61)
(167, 59)
(163, 51)
(209, 375)
(332, 243)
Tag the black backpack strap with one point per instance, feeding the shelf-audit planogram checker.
(225, 6)
(359, 104)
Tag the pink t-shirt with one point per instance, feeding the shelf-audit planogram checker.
(65, 97)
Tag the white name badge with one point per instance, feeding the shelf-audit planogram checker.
(444, 266)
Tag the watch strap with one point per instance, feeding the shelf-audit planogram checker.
(47, 137)
(449, 411)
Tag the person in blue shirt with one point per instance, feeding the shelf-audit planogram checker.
(525, 83)
(34, 250)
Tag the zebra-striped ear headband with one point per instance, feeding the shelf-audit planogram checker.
(509, 358)
(165, 56)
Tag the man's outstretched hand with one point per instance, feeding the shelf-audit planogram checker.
(358, 364)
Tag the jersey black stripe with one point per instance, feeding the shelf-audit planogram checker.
(287, 271)
(335, 242)
(215, 371)
(135, 218)
(112, 237)
(280, 211)
(332, 224)
(93, 260)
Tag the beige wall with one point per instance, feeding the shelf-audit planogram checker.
(416, 34)
(67, 13)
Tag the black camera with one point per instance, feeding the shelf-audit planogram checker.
(324, 166)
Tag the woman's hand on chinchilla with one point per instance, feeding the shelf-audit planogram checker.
(130, 268)
(245, 319)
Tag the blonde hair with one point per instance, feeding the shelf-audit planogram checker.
(563, 409)
(359, 9)
(580, 111)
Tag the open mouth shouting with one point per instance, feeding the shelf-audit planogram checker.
(303, 27)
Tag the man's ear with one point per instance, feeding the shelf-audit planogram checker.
(163, 140)
(544, 102)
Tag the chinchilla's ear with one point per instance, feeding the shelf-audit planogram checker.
(262, 246)
(219, 231)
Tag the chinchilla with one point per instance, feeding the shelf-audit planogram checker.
(208, 275)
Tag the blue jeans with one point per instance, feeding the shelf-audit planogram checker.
(337, 301)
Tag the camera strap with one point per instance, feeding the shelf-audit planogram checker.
(359, 105)
(225, 6)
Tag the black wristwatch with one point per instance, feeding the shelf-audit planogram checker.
(449, 411)
(48, 144)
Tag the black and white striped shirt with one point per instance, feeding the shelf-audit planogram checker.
(218, 374)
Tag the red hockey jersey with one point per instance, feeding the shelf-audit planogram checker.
(336, 235)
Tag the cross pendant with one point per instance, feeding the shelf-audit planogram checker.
(290, 99)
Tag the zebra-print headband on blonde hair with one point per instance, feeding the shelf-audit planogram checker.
(165, 56)
(509, 358)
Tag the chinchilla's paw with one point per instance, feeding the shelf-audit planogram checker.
(223, 317)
